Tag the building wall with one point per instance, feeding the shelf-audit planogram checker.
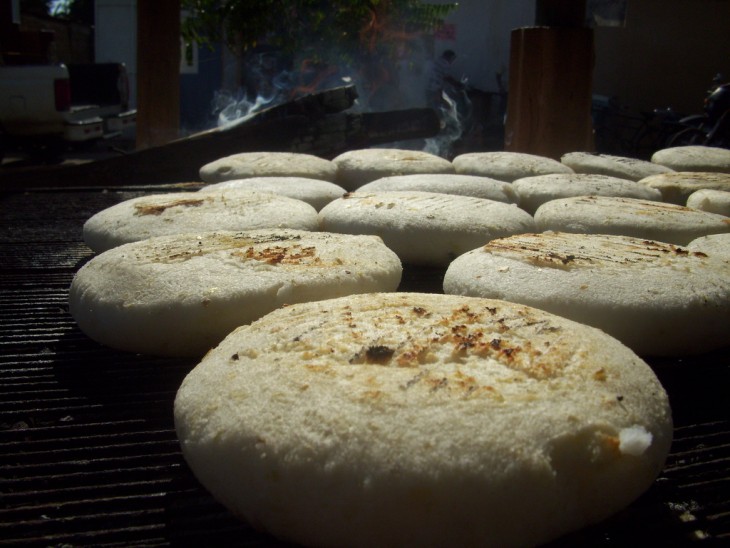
(666, 55)
(72, 42)
(115, 37)
(479, 33)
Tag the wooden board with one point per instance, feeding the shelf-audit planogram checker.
(313, 125)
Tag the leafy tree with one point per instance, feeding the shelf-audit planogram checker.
(316, 29)
(80, 11)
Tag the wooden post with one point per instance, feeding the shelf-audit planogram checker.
(158, 72)
(550, 86)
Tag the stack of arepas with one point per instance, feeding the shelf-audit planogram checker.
(333, 405)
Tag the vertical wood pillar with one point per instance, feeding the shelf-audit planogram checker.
(158, 72)
(551, 83)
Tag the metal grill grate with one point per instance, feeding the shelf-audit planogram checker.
(89, 453)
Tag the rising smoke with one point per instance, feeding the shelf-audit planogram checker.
(270, 80)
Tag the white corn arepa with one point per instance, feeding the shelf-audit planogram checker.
(315, 192)
(629, 217)
(615, 166)
(412, 419)
(714, 201)
(268, 164)
(357, 167)
(676, 187)
(506, 166)
(424, 228)
(447, 183)
(718, 244)
(694, 158)
(179, 212)
(657, 298)
(535, 191)
(180, 295)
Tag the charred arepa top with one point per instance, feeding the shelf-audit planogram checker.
(506, 166)
(180, 295)
(315, 192)
(694, 158)
(676, 187)
(179, 212)
(615, 166)
(410, 419)
(629, 217)
(535, 191)
(424, 228)
(446, 183)
(268, 164)
(357, 167)
(657, 298)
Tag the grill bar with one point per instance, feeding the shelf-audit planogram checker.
(89, 453)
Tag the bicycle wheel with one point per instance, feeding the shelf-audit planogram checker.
(688, 136)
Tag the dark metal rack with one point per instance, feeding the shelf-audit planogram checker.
(89, 453)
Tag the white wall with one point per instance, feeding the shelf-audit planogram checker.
(482, 38)
(115, 37)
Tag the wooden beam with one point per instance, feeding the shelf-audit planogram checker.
(550, 91)
(158, 72)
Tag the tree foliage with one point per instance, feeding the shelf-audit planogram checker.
(315, 28)
(80, 11)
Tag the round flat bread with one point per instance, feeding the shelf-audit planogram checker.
(424, 228)
(659, 299)
(315, 192)
(677, 186)
(535, 191)
(179, 212)
(714, 244)
(694, 158)
(447, 183)
(615, 166)
(422, 420)
(506, 166)
(714, 201)
(629, 217)
(357, 167)
(268, 164)
(181, 295)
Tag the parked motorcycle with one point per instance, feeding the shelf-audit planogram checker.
(712, 128)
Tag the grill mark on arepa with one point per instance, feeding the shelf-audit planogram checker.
(428, 202)
(435, 343)
(160, 207)
(244, 247)
(634, 205)
(560, 250)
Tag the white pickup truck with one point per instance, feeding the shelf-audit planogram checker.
(46, 108)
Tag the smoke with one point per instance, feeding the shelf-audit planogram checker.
(382, 85)
(454, 117)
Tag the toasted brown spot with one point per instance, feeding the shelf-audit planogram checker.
(159, 209)
(280, 254)
(378, 354)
